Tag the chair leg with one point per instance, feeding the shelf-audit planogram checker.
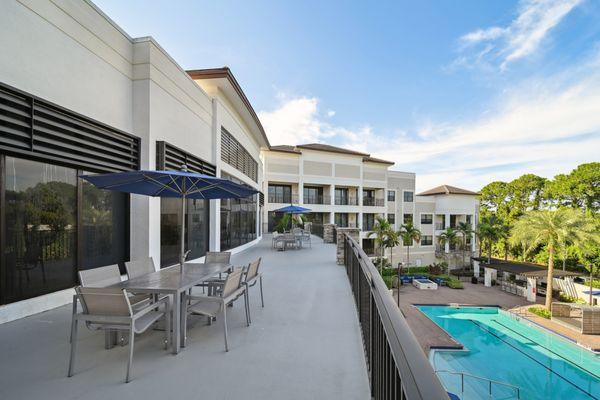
(73, 347)
(262, 299)
(184, 317)
(247, 305)
(167, 326)
(130, 362)
(225, 326)
(108, 339)
(73, 317)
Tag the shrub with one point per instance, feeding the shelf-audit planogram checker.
(389, 272)
(389, 280)
(454, 283)
(595, 283)
(569, 299)
(540, 312)
(462, 272)
(381, 262)
(416, 270)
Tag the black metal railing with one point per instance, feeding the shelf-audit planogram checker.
(397, 367)
(283, 198)
(316, 199)
(346, 201)
(370, 201)
(317, 229)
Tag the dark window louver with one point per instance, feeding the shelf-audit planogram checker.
(36, 128)
(234, 154)
(261, 199)
(169, 157)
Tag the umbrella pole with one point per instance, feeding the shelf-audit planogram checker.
(182, 236)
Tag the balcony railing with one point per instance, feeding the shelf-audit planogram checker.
(397, 367)
(370, 201)
(440, 226)
(284, 199)
(319, 199)
(346, 201)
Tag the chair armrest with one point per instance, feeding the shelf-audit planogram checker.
(152, 306)
(213, 299)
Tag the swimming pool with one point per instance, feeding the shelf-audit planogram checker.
(505, 348)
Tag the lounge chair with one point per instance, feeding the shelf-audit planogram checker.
(110, 309)
(211, 306)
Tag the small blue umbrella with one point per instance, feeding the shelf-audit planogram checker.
(179, 184)
(291, 209)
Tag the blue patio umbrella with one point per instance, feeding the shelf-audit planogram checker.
(179, 184)
(291, 209)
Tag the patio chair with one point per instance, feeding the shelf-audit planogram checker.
(214, 257)
(251, 278)
(139, 267)
(109, 309)
(211, 306)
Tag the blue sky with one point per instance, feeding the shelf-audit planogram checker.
(459, 92)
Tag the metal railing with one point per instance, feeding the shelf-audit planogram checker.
(283, 199)
(397, 367)
(318, 199)
(489, 383)
(370, 201)
(317, 229)
(346, 201)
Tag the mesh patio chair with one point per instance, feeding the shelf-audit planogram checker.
(214, 257)
(109, 309)
(211, 306)
(251, 278)
(140, 267)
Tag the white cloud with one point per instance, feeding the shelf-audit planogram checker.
(546, 126)
(330, 113)
(521, 38)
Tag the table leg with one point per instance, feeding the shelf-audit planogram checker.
(176, 322)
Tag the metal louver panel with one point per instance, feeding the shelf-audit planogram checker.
(37, 128)
(234, 154)
(169, 157)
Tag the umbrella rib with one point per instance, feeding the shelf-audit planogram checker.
(169, 187)
(160, 184)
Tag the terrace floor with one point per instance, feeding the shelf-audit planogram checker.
(305, 344)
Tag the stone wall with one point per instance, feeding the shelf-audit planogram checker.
(354, 233)
(328, 233)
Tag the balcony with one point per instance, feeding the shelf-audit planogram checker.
(283, 199)
(319, 199)
(373, 202)
(305, 343)
(346, 201)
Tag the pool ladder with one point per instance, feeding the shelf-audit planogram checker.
(490, 382)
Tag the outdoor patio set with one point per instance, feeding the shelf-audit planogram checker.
(148, 297)
(294, 238)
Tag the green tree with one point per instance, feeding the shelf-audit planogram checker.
(381, 230)
(548, 229)
(578, 189)
(465, 231)
(409, 234)
(450, 236)
(488, 232)
(393, 240)
(588, 253)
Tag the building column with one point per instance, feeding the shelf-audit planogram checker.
(332, 217)
(447, 225)
(214, 217)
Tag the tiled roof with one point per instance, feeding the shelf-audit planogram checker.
(286, 149)
(377, 160)
(447, 189)
(334, 149)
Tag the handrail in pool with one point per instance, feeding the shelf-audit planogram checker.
(490, 381)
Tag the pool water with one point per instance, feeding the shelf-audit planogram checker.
(505, 348)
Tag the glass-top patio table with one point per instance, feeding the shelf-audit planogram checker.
(172, 281)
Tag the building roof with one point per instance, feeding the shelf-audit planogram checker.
(447, 189)
(328, 148)
(332, 149)
(225, 72)
(523, 268)
(377, 160)
(285, 149)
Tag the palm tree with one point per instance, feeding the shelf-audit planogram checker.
(488, 232)
(393, 240)
(380, 231)
(550, 229)
(450, 236)
(464, 228)
(409, 233)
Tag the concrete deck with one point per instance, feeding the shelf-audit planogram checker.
(427, 332)
(305, 344)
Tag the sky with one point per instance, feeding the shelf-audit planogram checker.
(459, 92)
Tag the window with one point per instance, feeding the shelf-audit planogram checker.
(426, 240)
(368, 222)
(368, 197)
(426, 219)
(408, 218)
(196, 229)
(392, 218)
(368, 246)
(234, 154)
(341, 220)
(238, 220)
(341, 196)
(280, 194)
(313, 195)
(469, 219)
(391, 195)
(408, 197)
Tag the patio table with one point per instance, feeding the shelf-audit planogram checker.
(172, 281)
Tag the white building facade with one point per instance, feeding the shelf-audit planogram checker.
(78, 95)
(351, 189)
